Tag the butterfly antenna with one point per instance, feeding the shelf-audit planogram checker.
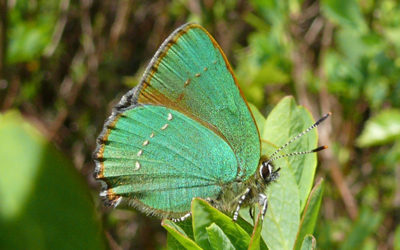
(297, 137)
(298, 153)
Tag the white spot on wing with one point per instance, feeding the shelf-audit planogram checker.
(165, 126)
(137, 165)
(186, 83)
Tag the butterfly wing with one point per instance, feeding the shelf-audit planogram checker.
(190, 74)
(160, 159)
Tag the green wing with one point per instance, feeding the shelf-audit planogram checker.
(190, 73)
(160, 159)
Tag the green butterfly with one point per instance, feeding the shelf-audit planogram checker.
(185, 131)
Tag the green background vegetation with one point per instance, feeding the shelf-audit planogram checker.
(64, 64)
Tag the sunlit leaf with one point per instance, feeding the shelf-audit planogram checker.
(381, 129)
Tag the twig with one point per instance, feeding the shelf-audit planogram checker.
(69, 91)
(300, 58)
(121, 19)
(58, 30)
(396, 200)
(314, 30)
(112, 243)
(12, 92)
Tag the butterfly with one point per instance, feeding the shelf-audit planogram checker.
(185, 131)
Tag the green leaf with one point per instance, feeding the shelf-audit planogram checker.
(310, 214)
(344, 13)
(382, 129)
(256, 235)
(283, 215)
(185, 227)
(258, 117)
(178, 233)
(45, 203)
(217, 238)
(284, 122)
(367, 223)
(396, 241)
(282, 219)
(28, 37)
(393, 35)
(309, 243)
(173, 244)
(350, 43)
(344, 78)
(270, 73)
(204, 215)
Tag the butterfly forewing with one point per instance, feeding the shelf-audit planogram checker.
(190, 73)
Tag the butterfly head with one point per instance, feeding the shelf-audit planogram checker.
(268, 172)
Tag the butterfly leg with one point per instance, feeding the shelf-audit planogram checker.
(263, 201)
(251, 212)
(211, 201)
(182, 218)
(241, 199)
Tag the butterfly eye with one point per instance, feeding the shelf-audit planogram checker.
(266, 170)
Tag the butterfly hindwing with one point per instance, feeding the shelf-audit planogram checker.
(160, 159)
(190, 73)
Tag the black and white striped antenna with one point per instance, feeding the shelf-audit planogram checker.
(274, 156)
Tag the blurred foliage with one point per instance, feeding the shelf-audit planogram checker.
(45, 203)
(63, 64)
